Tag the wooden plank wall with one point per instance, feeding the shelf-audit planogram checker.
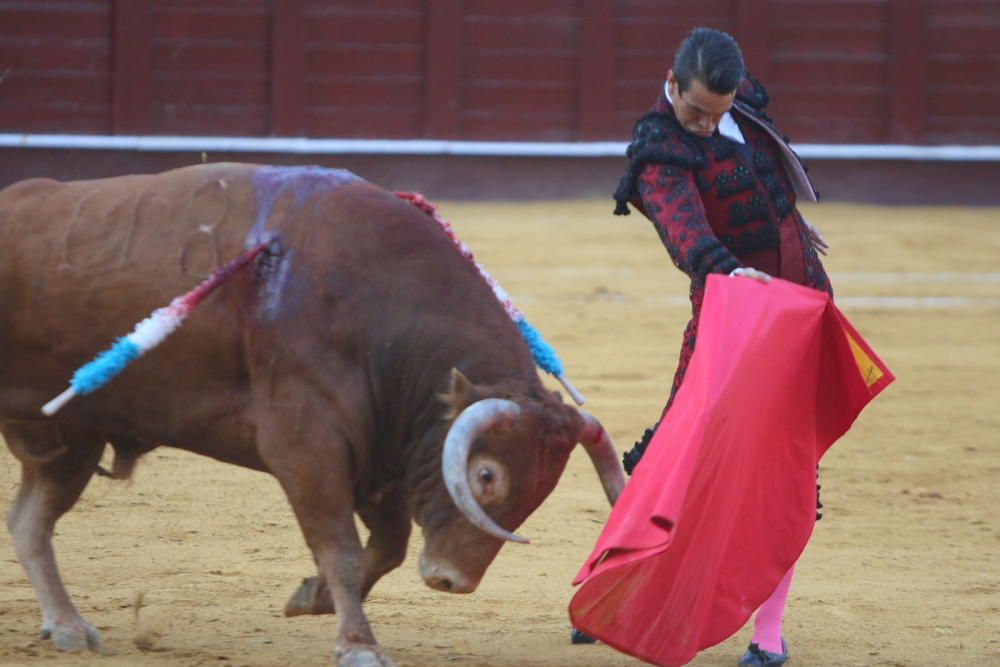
(838, 71)
(56, 66)
(831, 77)
(962, 64)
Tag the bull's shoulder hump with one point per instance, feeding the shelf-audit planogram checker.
(310, 177)
(302, 182)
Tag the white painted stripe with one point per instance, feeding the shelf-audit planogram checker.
(882, 302)
(313, 146)
(916, 302)
(615, 273)
(302, 145)
(845, 302)
(913, 277)
(898, 152)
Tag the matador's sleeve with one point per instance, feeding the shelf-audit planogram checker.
(671, 201)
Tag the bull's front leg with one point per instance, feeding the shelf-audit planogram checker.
(317, 482)
(341, 562)
(389, 524)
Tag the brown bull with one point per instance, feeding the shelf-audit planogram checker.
(363, 362)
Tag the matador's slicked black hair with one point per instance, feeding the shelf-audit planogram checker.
(711, 57)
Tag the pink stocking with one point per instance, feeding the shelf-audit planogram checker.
(767, 623)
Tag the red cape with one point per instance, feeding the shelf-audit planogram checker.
(724, 499)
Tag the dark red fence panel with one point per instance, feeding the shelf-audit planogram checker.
(517, 78)
(364, 68)
(963, 59)
(646, 34)
(829, 69)
(209, 67)
(839, 71)
(55, 60)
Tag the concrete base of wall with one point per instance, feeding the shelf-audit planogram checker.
(897, 182)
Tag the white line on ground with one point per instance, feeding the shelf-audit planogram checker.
(836, 277)
(866, 302)
(917, 302)
(882, 302)
(912, 277)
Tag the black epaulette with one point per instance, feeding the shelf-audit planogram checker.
(752, 93)
(751, 98)
(657, 138)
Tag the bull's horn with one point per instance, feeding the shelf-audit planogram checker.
(474, 420)
(602, 452)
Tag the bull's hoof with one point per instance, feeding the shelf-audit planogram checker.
(312, 597)
(358, 656)
(78, 636)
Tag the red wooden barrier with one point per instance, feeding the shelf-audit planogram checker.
(839, 71)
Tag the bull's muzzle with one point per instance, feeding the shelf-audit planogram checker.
(444, 576)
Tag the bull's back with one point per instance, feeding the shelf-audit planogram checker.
(82, 262)
(99, 231)
(112, 247)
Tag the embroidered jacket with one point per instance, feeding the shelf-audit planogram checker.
(718, 205)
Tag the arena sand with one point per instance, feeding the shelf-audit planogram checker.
(191, 562)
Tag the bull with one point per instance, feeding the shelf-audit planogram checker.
(362, 362)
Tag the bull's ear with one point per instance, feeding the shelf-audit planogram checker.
(461, 394)
(460, 385)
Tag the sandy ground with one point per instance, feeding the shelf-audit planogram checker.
(903, 570)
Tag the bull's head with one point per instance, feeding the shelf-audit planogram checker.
(501, 458)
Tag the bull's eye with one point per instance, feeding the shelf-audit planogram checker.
(489, 480)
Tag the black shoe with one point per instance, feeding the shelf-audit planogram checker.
(755, 657)
(580, 637)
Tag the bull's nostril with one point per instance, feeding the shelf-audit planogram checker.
(444, 578)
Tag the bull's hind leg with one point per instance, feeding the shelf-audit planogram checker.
(55, 468)
(390, 524)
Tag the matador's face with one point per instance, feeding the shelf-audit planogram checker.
(698, 109)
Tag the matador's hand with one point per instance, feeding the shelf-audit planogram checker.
(815, 238)
(750, 272)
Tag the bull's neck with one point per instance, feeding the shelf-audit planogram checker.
(412, 417)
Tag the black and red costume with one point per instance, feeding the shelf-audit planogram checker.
(719, 205)
(709, 530)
